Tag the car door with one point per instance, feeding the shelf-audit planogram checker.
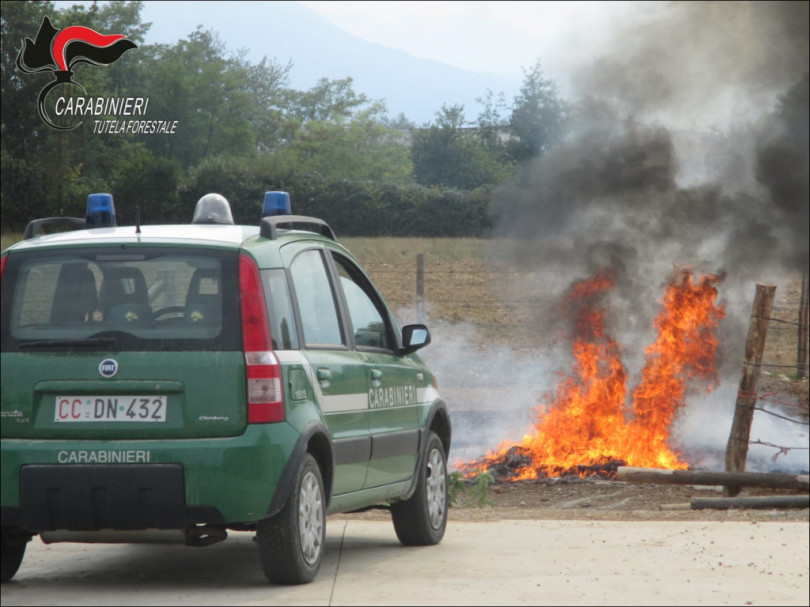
(392, 393)
(339, 374)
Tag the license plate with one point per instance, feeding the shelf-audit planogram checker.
(110, 409)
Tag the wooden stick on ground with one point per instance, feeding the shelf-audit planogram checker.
(707, 477)
(743, 503)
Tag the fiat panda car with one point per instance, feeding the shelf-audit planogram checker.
(173, 382)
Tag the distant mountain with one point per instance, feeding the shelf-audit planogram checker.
(287, 31)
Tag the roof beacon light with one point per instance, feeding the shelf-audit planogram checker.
(100, 211)
(276, 203)
(213, 208)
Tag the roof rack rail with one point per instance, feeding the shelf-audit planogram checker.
(269, 225)
(34, 227)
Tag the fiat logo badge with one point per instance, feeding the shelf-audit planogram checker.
(108, 367)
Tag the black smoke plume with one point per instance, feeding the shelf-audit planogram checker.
(688, 146)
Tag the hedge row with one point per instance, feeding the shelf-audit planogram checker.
(353, 208)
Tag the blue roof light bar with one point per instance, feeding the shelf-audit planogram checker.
(276, 203)
(100, 211)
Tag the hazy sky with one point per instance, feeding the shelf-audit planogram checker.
(499, 37)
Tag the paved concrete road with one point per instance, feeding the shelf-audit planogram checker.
(496, 563)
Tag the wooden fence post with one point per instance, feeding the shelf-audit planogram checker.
(737, 447)
(420, 287)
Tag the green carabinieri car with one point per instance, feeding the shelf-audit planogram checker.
(173, 382)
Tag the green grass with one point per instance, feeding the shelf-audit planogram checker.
(473, 491)
(455, 486)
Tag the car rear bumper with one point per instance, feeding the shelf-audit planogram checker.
(143, 484)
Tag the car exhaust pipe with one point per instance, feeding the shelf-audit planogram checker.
(204, 535)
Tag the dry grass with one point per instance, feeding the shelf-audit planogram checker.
(460, 285)
(404, 250)
(6, 240)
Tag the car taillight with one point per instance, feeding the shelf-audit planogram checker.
(265, 397)
(3, 266)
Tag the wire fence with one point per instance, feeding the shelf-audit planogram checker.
(787, 337)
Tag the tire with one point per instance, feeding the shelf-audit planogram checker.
(422, 519)
(11, 555)
(291, 543)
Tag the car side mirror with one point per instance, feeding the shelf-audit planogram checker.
(413, 338)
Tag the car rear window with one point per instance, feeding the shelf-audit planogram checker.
(137, 298)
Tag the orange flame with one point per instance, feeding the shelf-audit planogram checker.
(584, 428)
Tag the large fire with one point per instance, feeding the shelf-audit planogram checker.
(586, 427)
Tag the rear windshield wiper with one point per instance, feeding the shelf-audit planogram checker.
(47, 343)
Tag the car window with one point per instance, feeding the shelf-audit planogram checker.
(316, 301)
(365, 309)
(283, 330)
(164, 299)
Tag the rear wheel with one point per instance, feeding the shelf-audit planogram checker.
(291, 543)
(421, 520)
(12, 550)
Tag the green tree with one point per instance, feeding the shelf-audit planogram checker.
(19, 20)
(360, 148)
(400, 122)
(491, 123)
(449, 153)
(539, 116)
(327, 101)
(267, 86)
(22, 131)
(208, 92)
(150, 183)
(304, 114)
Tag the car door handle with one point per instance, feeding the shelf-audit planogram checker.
(324, 377)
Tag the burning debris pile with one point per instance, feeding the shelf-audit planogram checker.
(586, 428)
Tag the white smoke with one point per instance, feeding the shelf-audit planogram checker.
(702, 431)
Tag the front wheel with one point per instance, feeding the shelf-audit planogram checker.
(421, 520)
(291, 543)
